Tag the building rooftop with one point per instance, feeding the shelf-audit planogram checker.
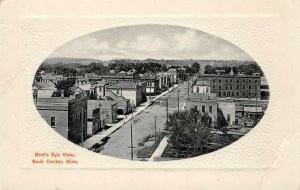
(44, 85)
(124, 85)
(228, 75)
(202, 96)
(202, 83)
(105, 104)
(53, 103)
(121, 101)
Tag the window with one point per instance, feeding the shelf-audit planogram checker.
(206, 89)
(224, 93)
(117, 91)
(228, 117)
(220, 81)
(214, 80)
(52, 121)
(230, 80)
(255, 81)
(210, 109)
(197, 89)
(244, 94)
(203, 109)
(226, 80)
(220, 94)
(220, 87)
(237, 87)
(232, 94)
(214, 86)
(237, 80)
(228, 93)
(243, 87)
(230, 87)
(80, 116)
(237, 94)
(249, 87)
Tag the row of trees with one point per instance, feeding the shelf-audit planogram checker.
(190, 133)
(247, 69)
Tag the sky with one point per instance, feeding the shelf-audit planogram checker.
(150, 41)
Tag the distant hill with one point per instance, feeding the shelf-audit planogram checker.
(168, 63)
(66, 60)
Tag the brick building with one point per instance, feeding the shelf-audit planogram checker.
(66, 115)
(234, 86)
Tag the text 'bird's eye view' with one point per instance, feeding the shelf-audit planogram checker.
(150, 92)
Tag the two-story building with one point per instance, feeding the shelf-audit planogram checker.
(134, 91)
(66, 115)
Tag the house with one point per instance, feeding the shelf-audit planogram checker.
(43, 89)
(66, 115)
(123, 104)
(95, 120)
(201, 87)
(133, 91)
(205, 102)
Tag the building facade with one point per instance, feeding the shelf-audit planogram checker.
(66, 115)
(233, 86)
(134, 91)
(205, 102)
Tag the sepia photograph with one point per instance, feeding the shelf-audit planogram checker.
(150, 92)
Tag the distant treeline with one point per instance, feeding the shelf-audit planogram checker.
(71, 69)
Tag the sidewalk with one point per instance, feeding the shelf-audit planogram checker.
(159, 150)
(88, 143)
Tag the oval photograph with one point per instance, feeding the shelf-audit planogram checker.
(150, 92)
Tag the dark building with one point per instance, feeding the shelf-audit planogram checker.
(234, 86)
(66, 115)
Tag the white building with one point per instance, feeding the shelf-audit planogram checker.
(201, 87)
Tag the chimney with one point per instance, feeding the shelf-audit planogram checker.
(62, 93)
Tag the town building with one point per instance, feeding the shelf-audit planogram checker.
(201, 87)
(152, 83)
(96, 120)
(228, 109)
(133, 91)
(44, 89)
(123, 77)
(98, 90)
(233, 86)
(66, 115)
(164, 80)
(205, 102)
(109, 109)
(173, 75)
(264, 89)
(123, 104)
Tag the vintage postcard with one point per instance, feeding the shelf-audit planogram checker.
(145, 95)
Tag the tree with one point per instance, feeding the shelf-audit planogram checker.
(195, 67)
(65, 85)
(190, 132)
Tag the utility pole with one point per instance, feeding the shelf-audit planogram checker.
(131, 142)
(167, 106)
(188, 88)
(150, 90)
(81, 127)
(155, 135)
(178, 100)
